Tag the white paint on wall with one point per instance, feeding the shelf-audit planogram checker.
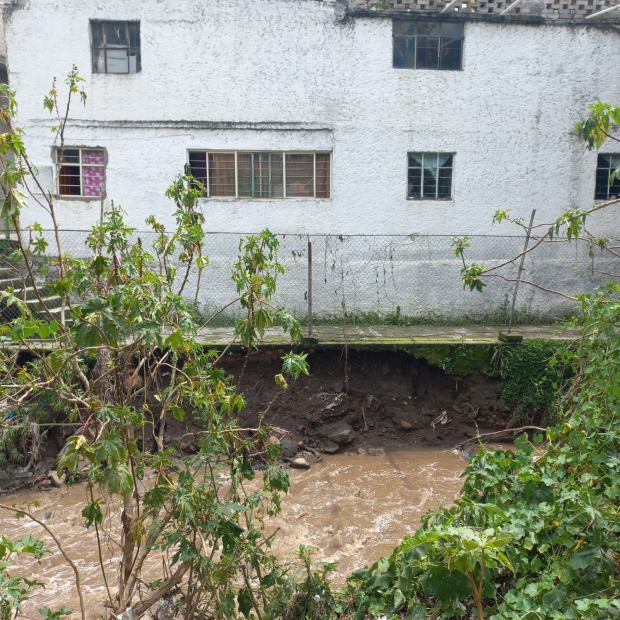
(289, 75)
(508, 115)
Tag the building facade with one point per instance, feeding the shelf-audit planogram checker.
(319, 117)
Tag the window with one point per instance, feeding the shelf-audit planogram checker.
(82, 172)
(606, 189)
(245, 174)
(116, 47)
(430, 176)
(428, 45)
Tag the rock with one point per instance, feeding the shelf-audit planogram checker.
(342, 435)
(406, 425)
(338, 387)
(289, 448)
(361, 451)
(474, 413)
(300, 464)
(374, 403)
(329, 447)
(55, 479)
(376, 452)
(457, 409)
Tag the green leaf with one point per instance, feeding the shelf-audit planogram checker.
(584, 557)
(554, 598)
(399, 600)
(445, 585)
(244, 600)
(247, 471)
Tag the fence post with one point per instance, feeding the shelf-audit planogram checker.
(309, 287)
(514, 295)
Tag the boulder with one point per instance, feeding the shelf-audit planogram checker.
(55, 479)
(376, 452)
(329, 447)
(300, 464)
(342, 435)
(374, 403)
(289, 448)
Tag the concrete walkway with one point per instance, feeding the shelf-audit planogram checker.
(386, 335)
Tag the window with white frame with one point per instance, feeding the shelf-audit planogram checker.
(429, 176)
(606, 187)
(116, 47)
(81, 171)
(262, 174)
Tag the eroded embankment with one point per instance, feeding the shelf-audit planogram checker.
(386, 399)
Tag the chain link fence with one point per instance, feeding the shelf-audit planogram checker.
(379, 279)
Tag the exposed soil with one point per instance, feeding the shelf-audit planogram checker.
(391, 400)
(386, 400)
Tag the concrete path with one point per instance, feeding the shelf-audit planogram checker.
(387, 335)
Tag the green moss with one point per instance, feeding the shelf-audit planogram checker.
(456, 359)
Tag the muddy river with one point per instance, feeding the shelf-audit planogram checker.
(354, 508)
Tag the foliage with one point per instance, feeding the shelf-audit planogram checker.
(15, 590)
(122, 360)
(304, 591)
(533, 374)
(551, 510)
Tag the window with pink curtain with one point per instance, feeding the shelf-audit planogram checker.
(82, 172)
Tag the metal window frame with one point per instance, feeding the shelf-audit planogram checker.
(422, 197)
(415, 52)
(270, 152)
(80, 165)
(610, 169)
(105, 48)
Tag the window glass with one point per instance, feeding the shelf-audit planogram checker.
(82, 172)
(299, 176)
(116, 34)
(117, 61)
(605, 188)
(323, 175)
(222, 174)
(427, 45)
(260, 175)
(429, 176)
(263, 174)
(116, 47)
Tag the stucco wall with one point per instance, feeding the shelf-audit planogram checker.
(508, 115)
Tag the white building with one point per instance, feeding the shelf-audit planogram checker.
(302, 77)
(321, 117)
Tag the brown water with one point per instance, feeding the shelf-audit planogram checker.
(353, 508)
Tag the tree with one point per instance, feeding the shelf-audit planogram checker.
(122, 359)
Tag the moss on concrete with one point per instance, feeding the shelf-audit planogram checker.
(456, 359)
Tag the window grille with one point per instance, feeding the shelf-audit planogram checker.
(116, 47)
(270, 175)
(429, 176)
(606, 189)
(81, 173)
(428, 45)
